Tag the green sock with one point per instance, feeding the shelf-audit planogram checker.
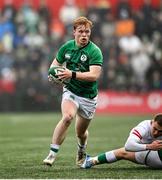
(54, 150)
(102, 158)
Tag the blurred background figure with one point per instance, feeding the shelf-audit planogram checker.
(68, 12)
(129, 34)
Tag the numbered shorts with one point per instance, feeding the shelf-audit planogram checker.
(86, 107)
(149, 158)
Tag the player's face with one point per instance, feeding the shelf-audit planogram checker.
(82, 34)
(156, 129)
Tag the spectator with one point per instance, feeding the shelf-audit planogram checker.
(130, 44)
(123, 10)
(148, 20)
(44, 12)
(140, 62)
(25, 32)
(8, 10)
(68, 12)
(31, 18)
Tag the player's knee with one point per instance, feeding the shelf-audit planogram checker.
(122, 154)
(67, 119)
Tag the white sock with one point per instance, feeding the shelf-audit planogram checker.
(110, 156)
(54, 148)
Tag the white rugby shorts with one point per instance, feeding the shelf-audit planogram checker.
(86, 107)
(149, 158)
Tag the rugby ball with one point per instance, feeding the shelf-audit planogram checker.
(52, 73)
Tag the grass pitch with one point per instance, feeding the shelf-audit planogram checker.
(25, 139)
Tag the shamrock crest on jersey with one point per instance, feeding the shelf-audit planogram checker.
(83, 58)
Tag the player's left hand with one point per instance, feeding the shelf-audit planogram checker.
(155, 145)
(65, 74)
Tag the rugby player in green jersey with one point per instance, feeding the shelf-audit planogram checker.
(83, 60)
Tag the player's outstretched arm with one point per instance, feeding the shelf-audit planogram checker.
(133, 144)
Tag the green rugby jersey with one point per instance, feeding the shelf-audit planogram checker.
(80, 59)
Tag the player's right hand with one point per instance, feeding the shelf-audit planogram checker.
(155, 145)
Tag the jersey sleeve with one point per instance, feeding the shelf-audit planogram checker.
(96, 58)
(133, 142)
(61, 54)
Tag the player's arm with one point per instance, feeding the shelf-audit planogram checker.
(55, 63)
(92, 75)
(133, 144)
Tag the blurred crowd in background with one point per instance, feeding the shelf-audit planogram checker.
(131, 42)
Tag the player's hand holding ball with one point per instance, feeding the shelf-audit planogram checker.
(59, 75)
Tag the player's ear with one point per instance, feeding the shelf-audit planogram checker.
(74, 32)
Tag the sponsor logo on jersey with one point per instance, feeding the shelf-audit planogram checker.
(83, 58)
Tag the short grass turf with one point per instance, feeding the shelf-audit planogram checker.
(25, 140)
